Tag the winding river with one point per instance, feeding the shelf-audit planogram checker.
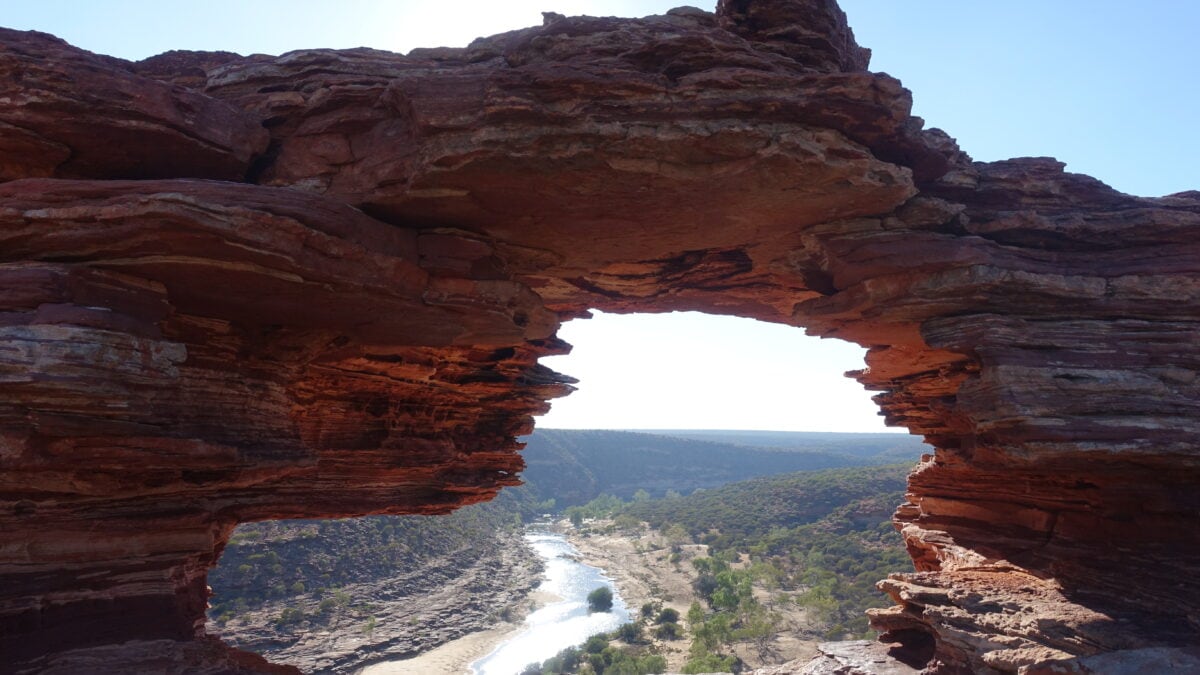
(561, 624)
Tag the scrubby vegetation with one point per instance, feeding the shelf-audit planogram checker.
(809, 544)
(817, 539)
(871, 448)
(600, 600)
(622, 652)
(576, 466)
(740, 513)
(584, 472)
(321, 560)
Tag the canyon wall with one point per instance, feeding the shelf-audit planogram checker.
(317, 285)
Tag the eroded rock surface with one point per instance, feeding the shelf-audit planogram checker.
(68, 113)
(410, 611)
(347, 320)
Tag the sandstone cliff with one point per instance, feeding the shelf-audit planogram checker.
(318, 284)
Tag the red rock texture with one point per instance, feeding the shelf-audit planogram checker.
(347, 320)
(68, 113)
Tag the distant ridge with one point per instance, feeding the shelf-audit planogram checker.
(574, 466)
(883, 446)
(767, 435)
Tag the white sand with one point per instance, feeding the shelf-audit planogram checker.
(454, 657)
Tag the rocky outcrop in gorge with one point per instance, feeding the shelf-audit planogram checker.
(314, 285)
(413, 604)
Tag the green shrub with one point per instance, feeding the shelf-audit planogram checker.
(652, 663)
(630, 633)
(710, 663)
(595, 644)
(668, 631)
(289, 616)
(600, 600)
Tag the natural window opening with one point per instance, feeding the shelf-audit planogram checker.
(719, 481)
(244, 287)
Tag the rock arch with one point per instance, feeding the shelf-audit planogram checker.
(317, 285)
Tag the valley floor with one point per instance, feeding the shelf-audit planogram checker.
(640, 565)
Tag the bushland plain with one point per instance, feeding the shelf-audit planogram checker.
(779, 537)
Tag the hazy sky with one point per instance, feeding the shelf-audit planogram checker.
(1108, 86)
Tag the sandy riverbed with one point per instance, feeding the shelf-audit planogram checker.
(455, 657)
(640, 577)
(640, 566)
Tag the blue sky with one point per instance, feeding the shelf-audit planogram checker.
(1110, 87)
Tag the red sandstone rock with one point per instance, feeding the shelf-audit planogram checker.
(563, 142)
(813, 33)
(358, 333)
(230, 352)
(196, 657)
(856, 657)
(68, 113)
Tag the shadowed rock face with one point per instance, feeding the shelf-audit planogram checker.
(317, 285)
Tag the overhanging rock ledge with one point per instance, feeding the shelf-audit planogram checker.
(317, 285)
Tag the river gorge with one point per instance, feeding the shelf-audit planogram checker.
(560, 624)
(561, 620)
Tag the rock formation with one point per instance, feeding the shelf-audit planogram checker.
(318, 285)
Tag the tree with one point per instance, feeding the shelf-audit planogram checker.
(630, 633)
(677, 534)
(668, 615)
(709, 663)
(289, 616)
(652, 663)
(668, 631)
(626, 522)
(570, 658)
(600, 600)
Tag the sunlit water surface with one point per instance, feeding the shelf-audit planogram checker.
(561, 624)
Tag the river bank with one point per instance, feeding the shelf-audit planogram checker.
(467, 593)
(646, 568)
(559, 617)
(642, 569)
(456, 656)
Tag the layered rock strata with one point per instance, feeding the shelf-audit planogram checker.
(412, 611)
(318, 284)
